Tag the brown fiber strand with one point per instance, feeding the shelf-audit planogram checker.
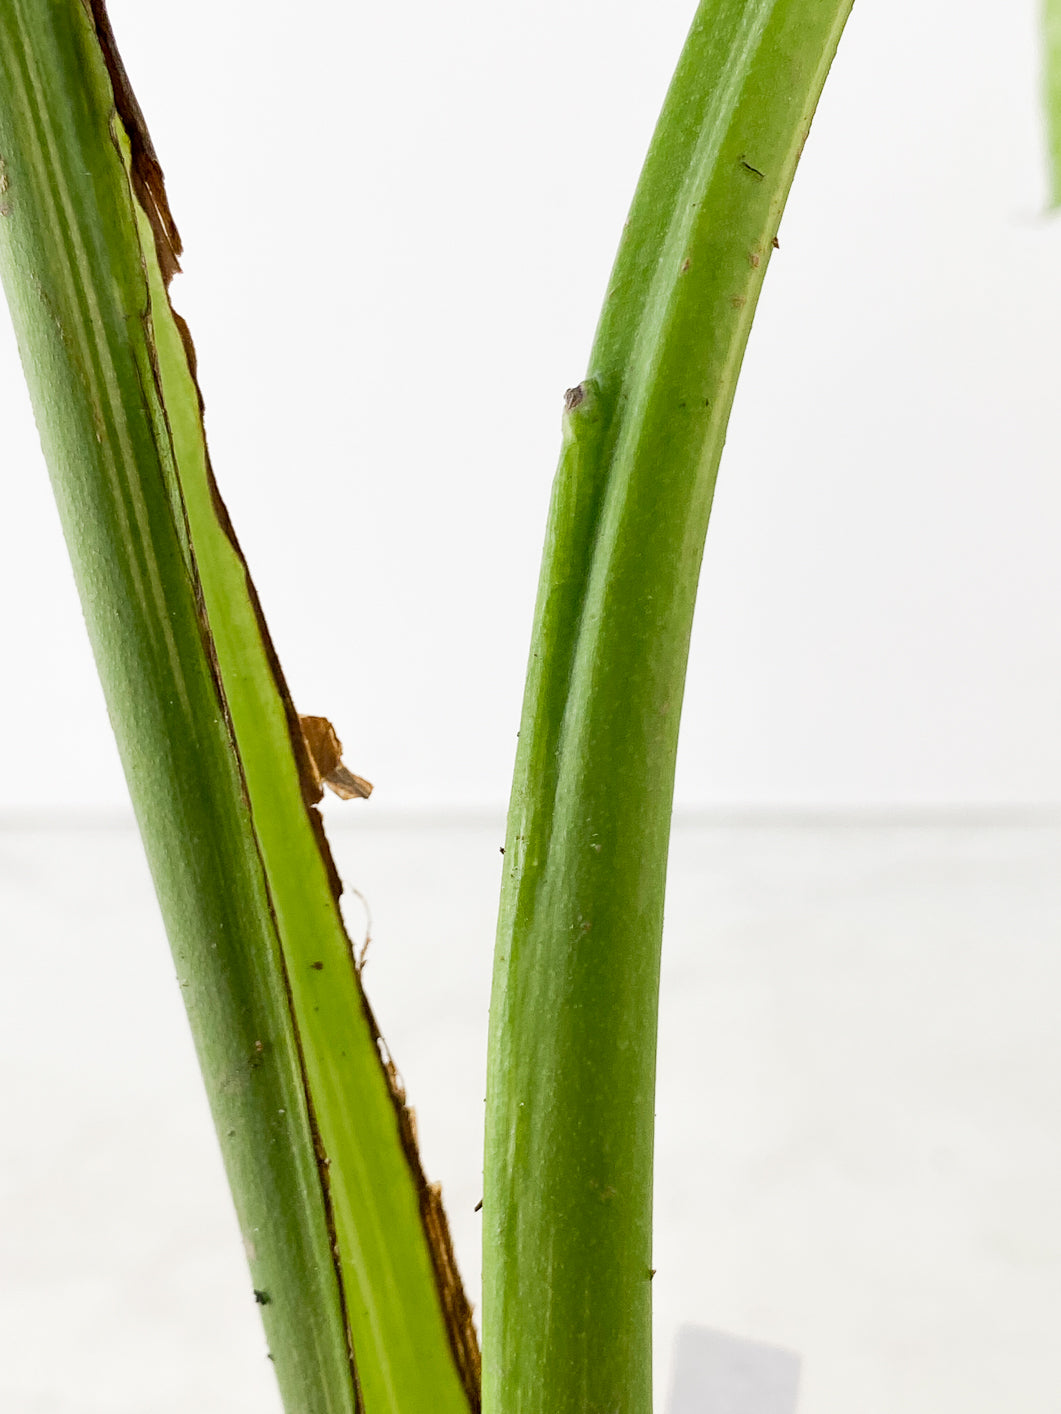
(150, 191)
(147, 171)
(455, 1305)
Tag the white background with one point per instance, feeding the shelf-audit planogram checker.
(858, 1156)
(399, 223)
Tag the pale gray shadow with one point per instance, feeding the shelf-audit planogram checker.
(714, 1373)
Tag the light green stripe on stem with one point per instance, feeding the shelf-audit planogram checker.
(568, 1191)
(1051, 92)
(346, 1241)
(402, 1348)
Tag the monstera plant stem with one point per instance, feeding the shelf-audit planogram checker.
(567, 1241)
(350, 1257)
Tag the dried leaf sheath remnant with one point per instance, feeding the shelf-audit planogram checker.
(409, 1323)
(321, 762)
(326, 750)
(455, 1303)
(146, 169)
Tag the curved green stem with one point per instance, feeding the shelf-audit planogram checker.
(567, 1205)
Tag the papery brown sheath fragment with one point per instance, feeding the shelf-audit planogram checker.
(316, 749)
(326, 750)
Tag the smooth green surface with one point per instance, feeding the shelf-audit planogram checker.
(1052, 94)
(567, 1204)
(202, 728)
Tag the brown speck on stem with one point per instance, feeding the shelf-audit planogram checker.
(738, 301)
(753, 259)
(775, 243)
(574, 397)
(685, 264)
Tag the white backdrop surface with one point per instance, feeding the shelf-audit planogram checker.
(857, 1151)
(399, 223)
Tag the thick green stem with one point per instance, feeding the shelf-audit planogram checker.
(568, 1192)
(71, 285)
(349, 1256)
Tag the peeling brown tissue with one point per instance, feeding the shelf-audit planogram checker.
(323, 749)
(317, 749)
(325, 754)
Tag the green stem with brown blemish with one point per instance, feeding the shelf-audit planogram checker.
(347, 1246)
(568, 1192)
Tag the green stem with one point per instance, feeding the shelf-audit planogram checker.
(349, 1256)
(568, 1191)
(71, 285)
